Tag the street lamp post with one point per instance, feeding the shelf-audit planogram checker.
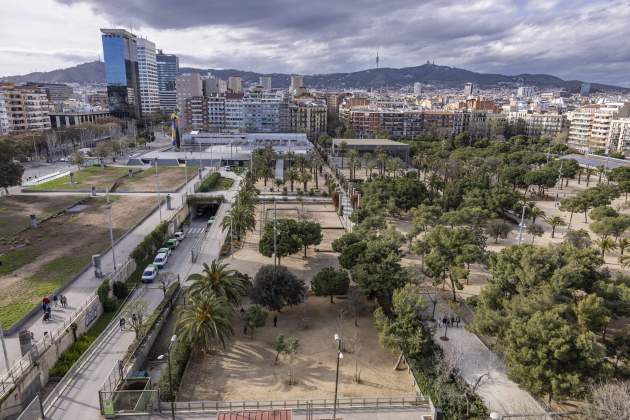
(339, 357)
(170, 373)
(111, 236)
(520, 229)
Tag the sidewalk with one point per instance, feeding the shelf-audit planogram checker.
(474, 359)
(80, 399)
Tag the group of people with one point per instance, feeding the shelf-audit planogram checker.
(452, 321)
(48, 303)
(122, 322)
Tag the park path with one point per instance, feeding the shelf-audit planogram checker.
(80, 398)
(473, 359)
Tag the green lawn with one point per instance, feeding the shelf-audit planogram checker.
(13, 260)
(15, 210)
(223, 184)
(101, 178)
(46, 280)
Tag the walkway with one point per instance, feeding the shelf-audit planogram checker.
(80, 399)
(473, 359)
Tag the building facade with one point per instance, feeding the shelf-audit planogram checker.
(188, 85)
(121, 73)
(4, 116)
(167, 69)
(67, 119)
(26, 108)
(619, 135)
(235, 85)
(309, 116)
(265, 82)
(148, 73)
(590, 126)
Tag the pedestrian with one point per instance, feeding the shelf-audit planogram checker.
(45, 300)
(244, 329)
(275, 321)
(457, 320)
(452, 321)
(134, 319)
(64, 301)
(55, 299)
(44, 306)
(122, 323)
(445, 321)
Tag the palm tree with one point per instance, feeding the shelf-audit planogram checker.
(292, 175)
(240, 219)
(605, 245)
(418, 163)
(381, 160)
(353, 157)
(622, 244)
(218, 280)
(554, 222)
(205, 322)
(579, 173)
(343, 148)
(304, 178)
(600, 171)
(624, 260)
(535, 212)
(589, 172)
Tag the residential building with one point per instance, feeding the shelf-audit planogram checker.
(57, 92)
(234, 85)
(188, 85)
(196, 113)
(417, 88)
(307, 115)
(25, 108)
(121, 73)
(211, 86)
(98, 100)
(168, 68)
(619, 135)
(297, 85)
(590, 125)
(525, 92)
(537, 124)
(585, 89)
(4, 116)
(265, 82)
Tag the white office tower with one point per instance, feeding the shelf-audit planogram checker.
(235, 85)
(265, 82)
(468, 89)
(417, 88)
(148, 74)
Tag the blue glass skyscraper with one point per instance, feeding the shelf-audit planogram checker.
(121, 73)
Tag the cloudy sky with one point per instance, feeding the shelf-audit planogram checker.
(572, 39)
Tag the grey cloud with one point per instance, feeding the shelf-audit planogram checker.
(568, 38)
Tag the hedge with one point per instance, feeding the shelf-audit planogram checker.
(210, 182)
(179, 359)
(150, 244)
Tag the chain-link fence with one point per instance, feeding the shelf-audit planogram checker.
(33, 411)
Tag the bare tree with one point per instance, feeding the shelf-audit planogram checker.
(609, 400)
(134, 314)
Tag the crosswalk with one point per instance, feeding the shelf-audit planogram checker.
(195, 231)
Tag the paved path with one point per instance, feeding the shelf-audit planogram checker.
(474, 359)
(86, 284)
(80, 399)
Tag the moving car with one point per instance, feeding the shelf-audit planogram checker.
(150, 273)
(171, 243)
(160, 260)
(180, 235)
(210, 221)
(227, 169)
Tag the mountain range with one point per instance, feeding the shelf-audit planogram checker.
(439, 76)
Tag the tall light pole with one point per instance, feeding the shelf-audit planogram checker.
(170, 372)
(339, 357)
(275, 249)
(157, 186)
(520, 229)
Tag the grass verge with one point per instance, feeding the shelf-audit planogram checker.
(101, 178)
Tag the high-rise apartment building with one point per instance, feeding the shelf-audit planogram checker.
(619, 135)
(148, 73)
(188, 85)
(585, 89)
(417, 88)
(121, 73)
(307, 115)
(234, 85)
(167, 67)
(525, 92)
(590, 126)
(265, 82)
(25, 108)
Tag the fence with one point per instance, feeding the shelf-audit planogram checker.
(33, 411)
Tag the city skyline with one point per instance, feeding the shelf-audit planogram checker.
(508, 37)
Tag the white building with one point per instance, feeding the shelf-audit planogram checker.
(619, 135)
(234, 84)
(4, 116)
(468, 89)
(525, 92)
(417, 88)
(148, 75)
(590, 125)
(26, 108)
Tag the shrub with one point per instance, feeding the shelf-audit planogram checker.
(120, 290)
(103, 291)
(210, 182)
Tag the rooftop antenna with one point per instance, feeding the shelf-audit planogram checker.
(377, 59)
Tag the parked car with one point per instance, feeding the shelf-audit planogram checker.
(160, 260)
(180, 235)
(210, 221)
(227, 169)
(171, 243)
(166, 251)
(150, 273)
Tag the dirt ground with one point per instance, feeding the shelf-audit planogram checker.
(38, 261)
(246, 370)
(271, 185)
(249, 260)
(171, 179)
(15, 210)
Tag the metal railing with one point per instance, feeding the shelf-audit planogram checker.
(33, 411)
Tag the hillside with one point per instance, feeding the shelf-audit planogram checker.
(440, 76)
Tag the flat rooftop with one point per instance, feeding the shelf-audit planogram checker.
(594, 161)
(370, 142)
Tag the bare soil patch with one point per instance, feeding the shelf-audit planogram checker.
(171, 178)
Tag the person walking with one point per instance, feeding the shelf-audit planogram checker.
(122, 323)
(452, 321)
(457, 321)
(275, 321)
(55, 300)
